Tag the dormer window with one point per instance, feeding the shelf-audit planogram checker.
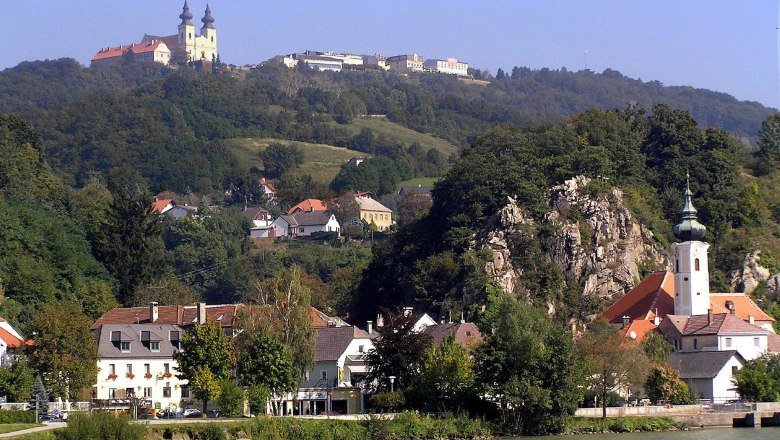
(154, 346)
(124, 346)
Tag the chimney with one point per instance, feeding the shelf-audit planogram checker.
(370, 327)
(408, 311)
(201, 314)
(380, 320)
(462, 318)
(656, 320)
(626, 320)
(751, 320)
(709, 316)
(154, 311)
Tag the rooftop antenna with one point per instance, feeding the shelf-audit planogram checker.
(586, 59)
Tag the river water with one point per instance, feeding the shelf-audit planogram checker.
(696, 434)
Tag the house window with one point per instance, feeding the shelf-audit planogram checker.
(695, 344)
(145, 335)
(112, 393)
(361, 348)
(148, 392)
(324, 375)
(696, 264)
(124, 347)
(147, 369)
(111, 368)
(129, 368)
(154, 346)
(734, 370)
(185, 392)
(302, 230)
(166, 391)
(756, 343)
(728, 342)
(167, 368)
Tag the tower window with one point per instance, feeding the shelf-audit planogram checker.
(696, 264)
(189, 35)
(212, 39)
(677, 266)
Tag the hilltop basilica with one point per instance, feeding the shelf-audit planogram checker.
(159, 48)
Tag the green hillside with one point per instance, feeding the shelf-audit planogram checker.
(322, 162)
(402, 134)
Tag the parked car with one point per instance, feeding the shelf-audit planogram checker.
(213, 414)
(50, 419)
(192, 413)
(169, 414)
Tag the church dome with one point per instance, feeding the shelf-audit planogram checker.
(185, 15)
(688, 228)
(208, 20)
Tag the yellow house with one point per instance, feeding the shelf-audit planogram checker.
(374, 212)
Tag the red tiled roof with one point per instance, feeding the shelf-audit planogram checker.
(656, 292)
(640, 327)
(773, 343)
(333, 341)
(10, 340)
(113, 52)
(170, 40)
(743, 306)
(319, 319)
(309, 205)
(160, 204)
(721, 323)
(268, 184)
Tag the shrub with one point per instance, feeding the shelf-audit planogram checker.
(387, 402)
(101, 425)
(17, 416)
(213, 432)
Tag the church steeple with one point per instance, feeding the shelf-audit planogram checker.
(208, 20)
(688, 228)
(185, 15)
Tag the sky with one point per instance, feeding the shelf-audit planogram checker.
(727, 46)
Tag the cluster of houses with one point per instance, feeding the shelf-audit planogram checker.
(408, 63)
(713, 334)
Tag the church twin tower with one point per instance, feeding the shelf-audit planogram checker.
(197, 47)
(691, 271)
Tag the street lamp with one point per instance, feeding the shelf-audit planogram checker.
(392, 379)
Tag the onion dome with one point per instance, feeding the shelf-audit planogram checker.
(688, 229)
(208, 20)
(185, 15)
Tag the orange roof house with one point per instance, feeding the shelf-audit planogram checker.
(154, 50)
(308, 205)
(161, 205)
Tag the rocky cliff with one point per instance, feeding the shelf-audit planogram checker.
(596, 242)
(752, 274)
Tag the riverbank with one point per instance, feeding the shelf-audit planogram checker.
(589, 425)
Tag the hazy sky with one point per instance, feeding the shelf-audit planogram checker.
(728, 46)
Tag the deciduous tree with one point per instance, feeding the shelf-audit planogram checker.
(398, 351)
(265, 362)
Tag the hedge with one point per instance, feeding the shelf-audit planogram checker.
(7, 416)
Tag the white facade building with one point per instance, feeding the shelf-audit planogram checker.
(449, 66)
(405, 63)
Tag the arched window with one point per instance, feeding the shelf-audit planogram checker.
(696, 264)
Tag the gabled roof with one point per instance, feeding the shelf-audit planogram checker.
(702, 364)
(170, 40)
(320, 319)
(656, 292)
(368, 204)
(10, 340)
(466, 333)
(315, 218)
(332, 342)
(114, 52)
(109, 344)
(252, 213)
(159, 205)
(640, 329)
(773, 343)
(309, 205)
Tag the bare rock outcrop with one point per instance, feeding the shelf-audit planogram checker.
(752, 274)
(597, 242)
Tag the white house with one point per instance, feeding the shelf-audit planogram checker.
(332, 383)
(136, 361)
(304, 224)
(10, 340)
(709, 374)
(405, 63)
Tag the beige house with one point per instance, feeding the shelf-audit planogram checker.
(373, 212)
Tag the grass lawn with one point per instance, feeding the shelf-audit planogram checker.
(11, 427)
(321, 161)
(402, 134)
